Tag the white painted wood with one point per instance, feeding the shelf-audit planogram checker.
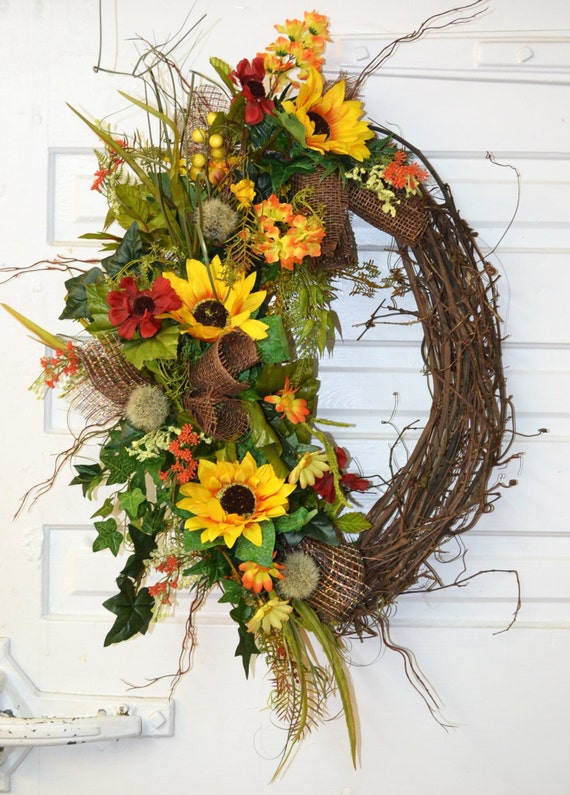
(499, 85)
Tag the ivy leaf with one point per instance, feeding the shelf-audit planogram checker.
(143, 545)
(213, 566)
(108, 537)
(105, 510)
(130, 502)
(163, 345)
(89, 476)
(352, 522)
(246, 647)
(120, 464)
(263, 554)
(133, 610)
(233, 592)
(275, 347)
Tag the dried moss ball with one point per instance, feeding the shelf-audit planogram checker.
(218, 220)
(147, 407)
(300, 577)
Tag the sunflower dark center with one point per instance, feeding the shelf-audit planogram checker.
(237, 498)
(257, 89)
(211, 313)
(321, 124)
(142, 303)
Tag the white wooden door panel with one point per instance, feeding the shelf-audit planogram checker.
(457, 96)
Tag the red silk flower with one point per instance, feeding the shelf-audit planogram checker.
(250, 76)
(133, 309)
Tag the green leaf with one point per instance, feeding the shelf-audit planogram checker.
(130, 501)
(275, 347)
(213, 567)
(133, 610)
(223, 69)
(352, 522)
(106, 509)
(263, 554)
(98, 308)
(135, 207)
(273, 454)
(294, 127)
(143, 545)
(246, 647)
(192, 542)
(233, 592)
(319, 527)
(89, 476)
(130, 250)
(262, 434)
(120, 464)
(163, 345)
(331, 647)
(108, 537)
(76, 305)
(292, 522)
(42, 335)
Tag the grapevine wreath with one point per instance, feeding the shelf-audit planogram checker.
(228, 229)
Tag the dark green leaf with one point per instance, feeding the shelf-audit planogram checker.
(319, 527)
(143, 545)
(119, 463)
(89, 476)
(246, 647)
(130, 250)
(76, 305)
(133, 610)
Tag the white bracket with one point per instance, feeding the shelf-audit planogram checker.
(29, 717)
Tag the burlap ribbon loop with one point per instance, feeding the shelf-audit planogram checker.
(211, 399)
(328, 195)
(342, 583)
(407, 226)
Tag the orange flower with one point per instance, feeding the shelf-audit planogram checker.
(256, 577)
(284, 235)
(402, 175)
(286, 404)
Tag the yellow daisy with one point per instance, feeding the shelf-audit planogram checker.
(332, 124)
(271, 615)
(211, 308)
(233, 498)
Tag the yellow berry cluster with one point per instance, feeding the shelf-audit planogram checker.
(212, 159)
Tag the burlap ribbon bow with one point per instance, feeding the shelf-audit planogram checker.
(212, 397)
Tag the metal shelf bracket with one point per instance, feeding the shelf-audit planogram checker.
(30, 717)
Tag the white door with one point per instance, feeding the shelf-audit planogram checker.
(498, 85)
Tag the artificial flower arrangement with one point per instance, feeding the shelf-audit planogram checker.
(196, 366)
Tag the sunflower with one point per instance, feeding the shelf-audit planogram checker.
(211, 307)
(332, 124)
(233, 498)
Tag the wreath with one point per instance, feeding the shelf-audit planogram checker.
(196, 366)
